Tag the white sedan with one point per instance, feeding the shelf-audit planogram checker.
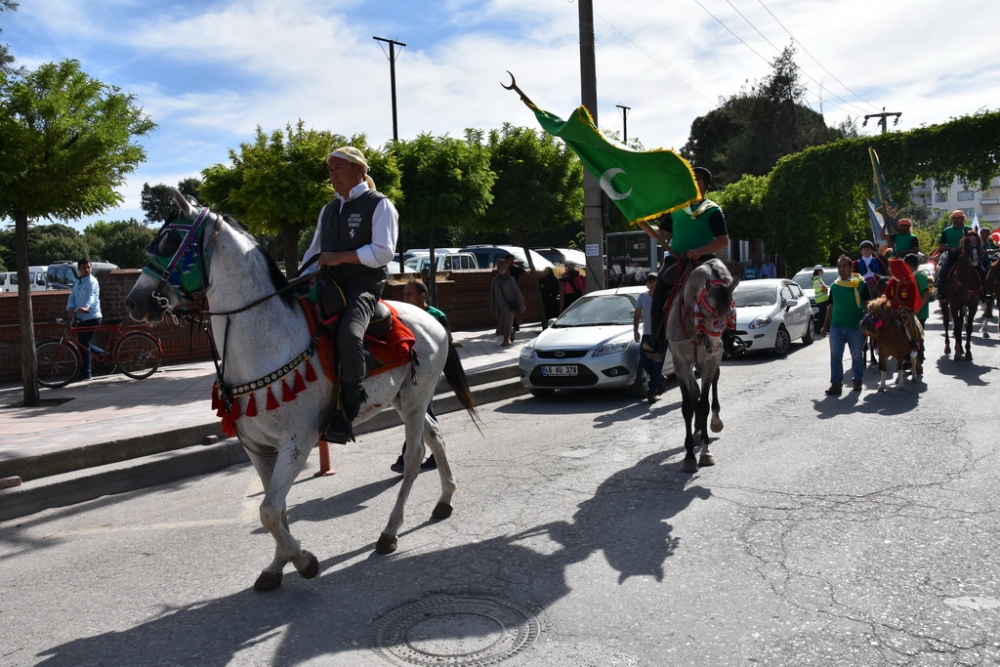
(590, 346)
(771, 313)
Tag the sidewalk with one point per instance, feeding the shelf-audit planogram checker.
(75, 423)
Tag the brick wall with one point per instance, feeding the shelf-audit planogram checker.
(463, 296)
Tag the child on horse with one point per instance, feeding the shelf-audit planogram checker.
(696, 232)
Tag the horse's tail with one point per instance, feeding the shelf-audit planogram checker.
(455, 375)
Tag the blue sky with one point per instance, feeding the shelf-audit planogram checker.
(210, 72)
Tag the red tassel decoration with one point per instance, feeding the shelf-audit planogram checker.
(272, 402)
(234, 413)
(299, 385)
(310, 372)
(287, 393)
(228, 428)
(215, 396)
(251, 410)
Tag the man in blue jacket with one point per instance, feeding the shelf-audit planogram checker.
(85, 303)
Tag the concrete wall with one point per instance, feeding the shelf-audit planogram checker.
(463, 296)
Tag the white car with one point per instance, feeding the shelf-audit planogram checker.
(804, 279)
(771, 313)
(590, 346)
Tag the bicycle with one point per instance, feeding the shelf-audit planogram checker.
(130, 349)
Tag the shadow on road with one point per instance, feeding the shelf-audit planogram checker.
(627, 519)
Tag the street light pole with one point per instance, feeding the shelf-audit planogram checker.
(625, 111)
(392, 80)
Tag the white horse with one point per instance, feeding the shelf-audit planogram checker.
(698, 316)
(263, 341)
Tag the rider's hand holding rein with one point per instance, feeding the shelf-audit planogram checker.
(337, 258)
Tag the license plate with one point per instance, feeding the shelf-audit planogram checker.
(559, 370)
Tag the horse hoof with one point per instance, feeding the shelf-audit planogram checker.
(689, 465)
(267, 581)
(441, 511)
(386, 544)
(706, 460)
(312, 567)
(717, 426)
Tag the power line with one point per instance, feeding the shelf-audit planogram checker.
(732, 33)
(816, 60)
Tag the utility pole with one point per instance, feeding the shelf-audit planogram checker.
(395, 124)
(592, 208)
(392, 80)
(882, 118)
(625, 111)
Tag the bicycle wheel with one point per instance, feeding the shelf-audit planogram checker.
(57, 363)
(138, 354)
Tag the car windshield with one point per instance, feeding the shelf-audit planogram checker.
(748, 295)
(598, 310)
(804, 280)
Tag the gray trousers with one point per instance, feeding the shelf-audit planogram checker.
(361, 302)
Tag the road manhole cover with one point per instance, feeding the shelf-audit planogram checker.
(454, 631)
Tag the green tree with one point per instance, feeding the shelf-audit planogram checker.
(751, 130)
(743, 202)
(66, 143)
(446, 184)
(277, 184)
(47, 244)
(121, 242)
(158, 200)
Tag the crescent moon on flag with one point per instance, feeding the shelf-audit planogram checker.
(610, 189)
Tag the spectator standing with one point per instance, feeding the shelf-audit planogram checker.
(85, 303)
(573, 283)
(415, 294)
(822, 295)
(549, 285)
(643, 313)
(768, 269)
(506, 301)
(848, 298)
(751, 270)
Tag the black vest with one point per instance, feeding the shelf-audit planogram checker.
(350, 228)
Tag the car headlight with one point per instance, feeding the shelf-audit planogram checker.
(760, 322)
(528, 350)
(616, 346)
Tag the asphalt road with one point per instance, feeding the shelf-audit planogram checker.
(859, 530)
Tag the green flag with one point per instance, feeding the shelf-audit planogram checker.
(643, 185)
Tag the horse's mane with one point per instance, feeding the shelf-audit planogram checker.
(877, 305)
(277, 277)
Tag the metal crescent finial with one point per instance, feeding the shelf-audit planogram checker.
(513, 86)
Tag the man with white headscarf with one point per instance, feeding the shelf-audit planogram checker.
(355, 237)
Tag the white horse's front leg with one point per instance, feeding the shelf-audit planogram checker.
(885, 381)
(281, 472)
(414, 454)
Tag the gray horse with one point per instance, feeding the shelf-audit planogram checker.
(698, 316)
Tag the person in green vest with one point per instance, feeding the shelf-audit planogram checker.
(904, 243)
(696, 232)
(924, 288)
(822, 295)
(948, 245)
(848, 299)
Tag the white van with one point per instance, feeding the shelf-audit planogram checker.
(36, 276)
(445, 261)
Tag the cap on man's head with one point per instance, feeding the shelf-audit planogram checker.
(818, 267)
(904, 222)
(349, 153)
(866, 244)
(703, 174)
(958, 213)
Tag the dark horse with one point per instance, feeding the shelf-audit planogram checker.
(992, 288)
(960, 296)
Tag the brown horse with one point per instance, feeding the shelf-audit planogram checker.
(889, 327)
(992, 289)
(960, 296)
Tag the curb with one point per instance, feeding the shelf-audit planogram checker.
(66, 478)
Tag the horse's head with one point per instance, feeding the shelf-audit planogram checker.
(176, 268)
(971, 248)
(714, 301)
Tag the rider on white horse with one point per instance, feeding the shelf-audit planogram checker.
(355, 237)
(697, 231)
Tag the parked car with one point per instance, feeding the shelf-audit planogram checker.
(486, 255)
(590, 346)
(62, 275)
(444, 261)
(771, 313)
(36, 276)
(559, 256)
(804, 279)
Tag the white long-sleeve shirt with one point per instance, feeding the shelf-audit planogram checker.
(385, 230)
